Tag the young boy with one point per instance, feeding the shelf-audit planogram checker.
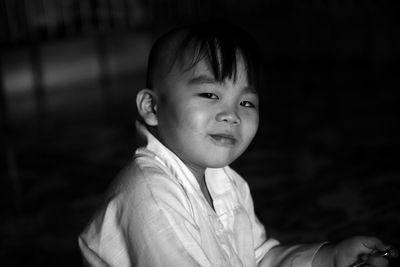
(178, 203)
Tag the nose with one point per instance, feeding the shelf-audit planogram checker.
(228, 116)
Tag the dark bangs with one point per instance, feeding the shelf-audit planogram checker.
(221, 45)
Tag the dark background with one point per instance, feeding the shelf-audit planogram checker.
(324, 166)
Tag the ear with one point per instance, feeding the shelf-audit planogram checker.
(146, 102)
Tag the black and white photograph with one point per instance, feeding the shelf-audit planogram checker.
(163, 133)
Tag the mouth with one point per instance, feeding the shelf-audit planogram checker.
(223, 139)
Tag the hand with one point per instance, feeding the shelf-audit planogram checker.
(369, 259)
(351, 251)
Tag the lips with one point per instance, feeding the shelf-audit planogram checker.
(223, 139)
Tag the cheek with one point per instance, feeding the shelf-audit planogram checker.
(250, 126)
(195, 118)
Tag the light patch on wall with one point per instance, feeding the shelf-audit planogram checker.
(69, 62)
(17, 74)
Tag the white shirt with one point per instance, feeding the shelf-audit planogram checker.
(157, 215)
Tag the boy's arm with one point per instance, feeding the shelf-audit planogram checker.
(267, 250)
(351, 252)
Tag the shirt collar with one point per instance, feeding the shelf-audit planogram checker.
(167, 158)
(217, 179)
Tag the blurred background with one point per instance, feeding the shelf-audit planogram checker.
(324, 166)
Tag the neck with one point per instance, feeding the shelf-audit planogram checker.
(198, 173)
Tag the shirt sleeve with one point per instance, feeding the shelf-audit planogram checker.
(145, 225)
(291, 256)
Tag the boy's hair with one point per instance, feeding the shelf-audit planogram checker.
(219, 43)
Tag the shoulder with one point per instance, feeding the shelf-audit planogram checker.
(143, 195)
(139, 205)
(146, 182)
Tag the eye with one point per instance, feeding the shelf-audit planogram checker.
(209, 95)
(247, 104)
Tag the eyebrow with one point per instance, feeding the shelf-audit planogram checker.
(207, 79)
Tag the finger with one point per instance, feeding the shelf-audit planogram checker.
(373, 243)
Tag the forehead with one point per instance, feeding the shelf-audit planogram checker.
(203, 67)
(202, 73)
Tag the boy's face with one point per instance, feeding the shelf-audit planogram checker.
(208, 124)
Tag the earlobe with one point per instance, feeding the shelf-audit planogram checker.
(146, 102)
